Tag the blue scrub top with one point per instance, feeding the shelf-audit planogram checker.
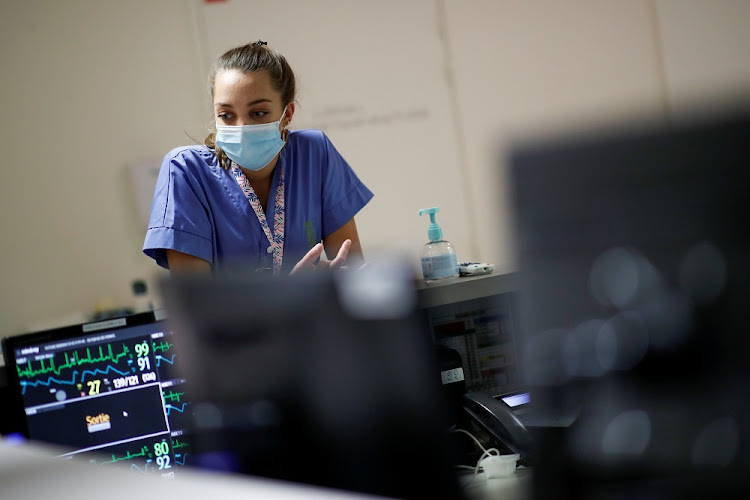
(199, 209)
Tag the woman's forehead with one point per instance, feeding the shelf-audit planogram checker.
(234, 82)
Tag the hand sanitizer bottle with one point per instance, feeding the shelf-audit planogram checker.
(438, 256)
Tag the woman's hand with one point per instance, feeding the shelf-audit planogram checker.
(307, 263)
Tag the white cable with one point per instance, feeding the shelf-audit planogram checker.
(485, 452)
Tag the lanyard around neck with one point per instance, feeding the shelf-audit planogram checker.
(275, 240)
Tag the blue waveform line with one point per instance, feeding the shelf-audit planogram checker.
(145, 468)
(169, 408)
(160, 358)
(72, 381)
(184, 458)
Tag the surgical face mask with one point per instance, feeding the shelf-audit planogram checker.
(250, 146)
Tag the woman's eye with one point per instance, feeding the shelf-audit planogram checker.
(224, 116)
(259, 114)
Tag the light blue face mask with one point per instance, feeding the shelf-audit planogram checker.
(251, 146)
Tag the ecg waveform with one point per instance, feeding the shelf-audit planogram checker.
(87, 371)
(180, 408)
(178, 456)
(177, 405)
(73, 379)
(173, 396)
(128, 456)
(146, 456)
(160, 358)
(177, 444)
(166, 360)
(162, 346)
(72, 360)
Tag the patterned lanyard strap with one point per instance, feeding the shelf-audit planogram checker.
(277, 239)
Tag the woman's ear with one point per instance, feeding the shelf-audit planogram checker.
(288, 114)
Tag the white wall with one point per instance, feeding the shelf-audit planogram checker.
(88, 88)
(424, 98)
(523, 68)
(706, 53)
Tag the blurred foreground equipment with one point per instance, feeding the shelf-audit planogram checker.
(634, 263)
(321, 378)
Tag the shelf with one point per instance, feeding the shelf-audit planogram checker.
(459, 289)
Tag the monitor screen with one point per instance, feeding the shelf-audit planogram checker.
(106, 392)
(518, 399)
(633, 263)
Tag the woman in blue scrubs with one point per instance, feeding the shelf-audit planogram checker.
(256, 193)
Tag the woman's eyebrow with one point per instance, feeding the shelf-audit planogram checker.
(258, 101)
(252, 103)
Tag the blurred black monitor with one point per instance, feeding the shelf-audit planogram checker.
(634, 261)
(327, 379)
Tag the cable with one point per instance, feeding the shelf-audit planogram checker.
(485, 452)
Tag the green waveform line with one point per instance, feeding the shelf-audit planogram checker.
(177, 444)
(163, 346)
(173, 396)
(129, 456)
(77, 360)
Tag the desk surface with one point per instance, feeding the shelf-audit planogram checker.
(33, 471)
(452, 290)
(515, 487)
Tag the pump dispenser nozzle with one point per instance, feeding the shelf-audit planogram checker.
(434, 233)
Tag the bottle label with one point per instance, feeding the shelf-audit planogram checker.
(441, 266)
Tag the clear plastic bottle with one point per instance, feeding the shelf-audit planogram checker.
(439, 259)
